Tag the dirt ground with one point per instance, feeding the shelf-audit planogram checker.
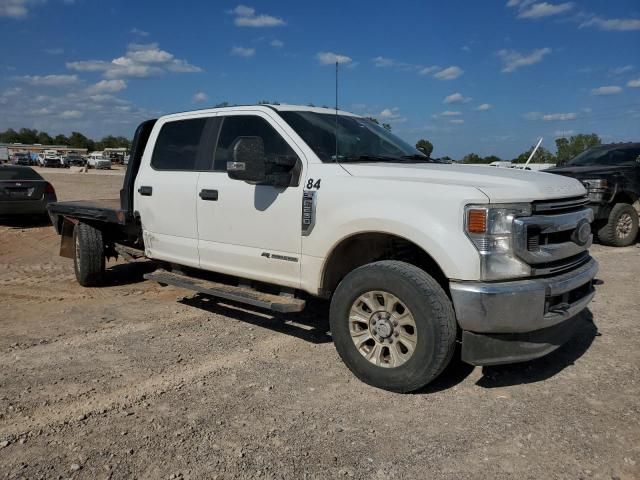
(138, 381)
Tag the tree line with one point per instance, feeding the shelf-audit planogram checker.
(567, 148)
(30, 136)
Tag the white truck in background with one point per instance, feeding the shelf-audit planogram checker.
(415, 256)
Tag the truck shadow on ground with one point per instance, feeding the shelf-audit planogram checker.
(22, 222)
(521, 373)
(128, 273)
(310, 325)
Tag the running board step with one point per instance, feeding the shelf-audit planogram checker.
(248, 296)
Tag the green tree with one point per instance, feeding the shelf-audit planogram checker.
(44, 138)
(78, 140)
(492, 158)
(28, 135)
(61, 140)
(473, 158)
(576, 144)
(425, 146)
(374, 120)
(386, 126)
(10, 136)
(542, 156)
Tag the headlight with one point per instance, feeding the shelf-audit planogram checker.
(596, 189)
(490, 228)
(595, 184)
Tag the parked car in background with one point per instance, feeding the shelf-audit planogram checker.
(21, 158)
(74, 161)
(54, 161)
(611, 175)
(96, 160)
(23, 191)
(4, 154)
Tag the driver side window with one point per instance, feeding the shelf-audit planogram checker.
(249, 126)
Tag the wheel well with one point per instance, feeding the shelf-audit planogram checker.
(625, 197)
(364, 248)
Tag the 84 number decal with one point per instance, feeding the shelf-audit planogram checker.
(311, 184)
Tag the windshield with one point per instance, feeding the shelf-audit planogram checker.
(18, 173)
(359, 139)
(600, 156)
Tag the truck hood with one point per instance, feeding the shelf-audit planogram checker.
(501, 185)
(590, 171)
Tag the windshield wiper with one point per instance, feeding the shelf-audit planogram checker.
(367, 158)
(418, 158)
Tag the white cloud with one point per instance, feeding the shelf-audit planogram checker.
(449, 73)
(429, 70)
(107, 86)
(544, 9)
(551, 117)
(243, 52)
(246, 17)
(383, 62)
(49, 80)
(200, 97)
(140, 33)
(449, 113)
(71, 114)
(140, 60)
(329, 58)
(277, 43)
(563, 133)
(17, 8)
(456, 98)
(612, 24)
(392, 114)
(606, 90)
(457, 121)
(622, 70)
(635, 83)
(53, 51)
(512, 59)
(484, 107)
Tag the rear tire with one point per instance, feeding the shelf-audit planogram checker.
(88, 260)
(392, 358)
(621, 229)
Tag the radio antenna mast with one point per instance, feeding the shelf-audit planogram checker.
(336, 126)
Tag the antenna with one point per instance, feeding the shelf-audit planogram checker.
(336, 127)
(533, 153)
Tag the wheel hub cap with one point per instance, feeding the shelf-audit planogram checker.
(383, 329)
(625, 223)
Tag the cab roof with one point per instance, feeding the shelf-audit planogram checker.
(263, 107)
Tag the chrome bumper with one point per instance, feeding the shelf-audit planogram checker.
(524, 305)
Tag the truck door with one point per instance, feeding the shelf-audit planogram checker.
(165, 189)
(251, 231)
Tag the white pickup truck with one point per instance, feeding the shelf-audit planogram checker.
(263, 205)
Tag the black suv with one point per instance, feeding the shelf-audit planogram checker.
(611, 175)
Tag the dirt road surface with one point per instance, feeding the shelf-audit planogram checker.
(138, 381)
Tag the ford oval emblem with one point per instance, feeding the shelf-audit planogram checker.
(582, 233)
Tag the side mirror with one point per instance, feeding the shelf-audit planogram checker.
(249, 161)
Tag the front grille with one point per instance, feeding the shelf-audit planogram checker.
(564, 205)
(547, 241)
(559, 266)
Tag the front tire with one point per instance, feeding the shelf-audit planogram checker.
(88, 260)
(621, 228)
(393, 325)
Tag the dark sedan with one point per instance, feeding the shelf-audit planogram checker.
(23, 191)
(73, 161)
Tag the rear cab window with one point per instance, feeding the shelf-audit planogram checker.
(186, 145)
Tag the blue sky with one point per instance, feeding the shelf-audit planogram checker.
(472, 76)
